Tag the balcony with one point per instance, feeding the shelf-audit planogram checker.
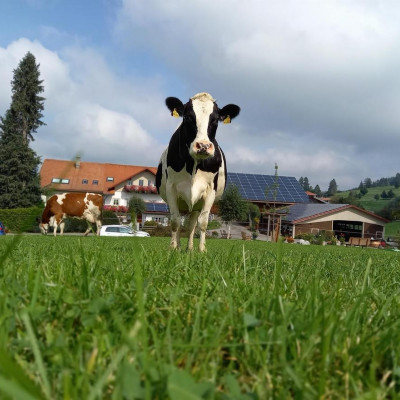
(140, 189)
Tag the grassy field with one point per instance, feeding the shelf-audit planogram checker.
(368, 201)
(124, 318)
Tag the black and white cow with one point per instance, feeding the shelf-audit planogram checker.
(191, 175)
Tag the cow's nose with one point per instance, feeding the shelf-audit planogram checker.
(203, 147)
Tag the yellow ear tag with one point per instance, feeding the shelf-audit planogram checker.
(227, 120)
(175, 113)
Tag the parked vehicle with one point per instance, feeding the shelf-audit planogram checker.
(2, 229)
(121, 230)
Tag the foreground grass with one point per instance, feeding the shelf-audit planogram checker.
(124, 318)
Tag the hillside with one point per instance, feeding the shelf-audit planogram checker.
(368, 201)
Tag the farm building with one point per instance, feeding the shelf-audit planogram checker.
(343, 219)
(116, 182)
(299, 213)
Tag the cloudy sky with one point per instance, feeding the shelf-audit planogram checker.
(318, 82)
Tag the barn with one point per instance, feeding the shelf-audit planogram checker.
(343, 219)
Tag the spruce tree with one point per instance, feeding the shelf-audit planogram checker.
(19, 177)
(306, 184)
(317, 190)
(332, 189)
(26, 102)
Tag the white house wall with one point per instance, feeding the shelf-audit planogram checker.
(124, 197)
(348, 215)
(147, 177)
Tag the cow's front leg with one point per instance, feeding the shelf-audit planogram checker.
(98, 227)
(175, 234)
(62, 226)
(192, 227)
(175, 217)
(203, 219)
(89, 228)
(56, 221)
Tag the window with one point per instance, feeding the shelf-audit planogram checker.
(56, 180)
(116, 202)
(84, 181)
(141, 182)
(95, 182)
(65, 181)
(112, 229)
(130, 182)
(110, 179)
(151, 183)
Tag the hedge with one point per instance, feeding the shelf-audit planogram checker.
(25, 220)
(21, 219)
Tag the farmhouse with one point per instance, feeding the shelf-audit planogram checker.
(343, 219)
(116, 182)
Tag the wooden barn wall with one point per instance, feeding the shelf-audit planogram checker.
(307, 228)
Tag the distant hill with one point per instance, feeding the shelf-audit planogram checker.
(368, 201)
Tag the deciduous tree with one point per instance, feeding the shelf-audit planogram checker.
(136, 207)
(232, 207)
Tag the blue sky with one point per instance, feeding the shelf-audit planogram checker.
(317, 82)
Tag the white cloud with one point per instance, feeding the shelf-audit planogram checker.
(87, 107)
(323, 73)
(317, 82)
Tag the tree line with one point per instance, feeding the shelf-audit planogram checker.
(332, 188)
(391, 181)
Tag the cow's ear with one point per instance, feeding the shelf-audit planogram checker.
(229, 112)
(175, 106)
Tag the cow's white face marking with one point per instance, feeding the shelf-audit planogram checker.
(60, 198)
(44, 228)
(203, 106)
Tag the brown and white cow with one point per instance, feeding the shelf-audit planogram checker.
(86, 206)
(191, 174)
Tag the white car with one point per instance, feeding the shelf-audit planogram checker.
(121, 230)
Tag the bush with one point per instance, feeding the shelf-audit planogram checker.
(151, 223)
(214, 225)
(161, 231)
(21, 219)
(110, 218)
(305, 236)
(77, 225)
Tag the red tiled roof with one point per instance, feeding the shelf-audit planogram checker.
(88, 170)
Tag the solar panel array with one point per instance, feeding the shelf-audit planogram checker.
(254, 187)
(157, 207)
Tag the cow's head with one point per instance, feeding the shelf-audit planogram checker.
(44, 227)
(200, 121)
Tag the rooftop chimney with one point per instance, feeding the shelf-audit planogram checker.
(77, 162)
